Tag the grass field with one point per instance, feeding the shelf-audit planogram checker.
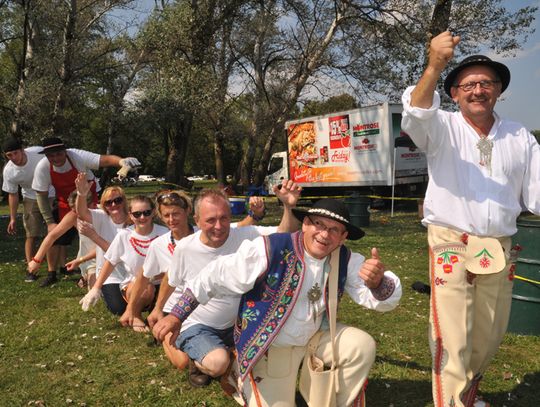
(53, 354)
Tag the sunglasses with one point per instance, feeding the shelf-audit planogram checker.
(172, 198)
(138, 214)
(116, 201)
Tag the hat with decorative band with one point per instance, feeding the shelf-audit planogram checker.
(331, 209)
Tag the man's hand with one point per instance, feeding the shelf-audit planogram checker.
(289, 193)
(168, 324)
(90, 299)
(256, 204)
(372, 270)
(155, 316)
(11, 227)
(441, 50)
(127, 164)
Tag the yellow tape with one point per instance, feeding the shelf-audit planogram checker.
(526, 279)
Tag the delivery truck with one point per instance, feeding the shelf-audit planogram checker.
(362, 150)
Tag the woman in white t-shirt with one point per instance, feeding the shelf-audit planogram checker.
(101, 226)
(130, 247)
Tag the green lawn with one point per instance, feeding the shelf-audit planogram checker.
(54, 354)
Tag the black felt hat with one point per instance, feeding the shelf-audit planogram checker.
(502, 71)
(331, 209)
(52, 145)
(11, 144)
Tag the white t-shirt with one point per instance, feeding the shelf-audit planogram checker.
(86, 245)
(15, 176)
(191, 256)
(463, 194)
(237, 274)
(107, 229)
(84, 161)
(130, 248)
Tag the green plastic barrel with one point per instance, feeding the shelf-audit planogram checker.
(358, 207)
(525, 312)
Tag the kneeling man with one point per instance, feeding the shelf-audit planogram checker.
(282, 278)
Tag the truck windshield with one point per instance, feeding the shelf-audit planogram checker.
(276, 163)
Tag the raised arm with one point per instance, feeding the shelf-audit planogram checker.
(83, 189)
(441, 51)
(288, 193)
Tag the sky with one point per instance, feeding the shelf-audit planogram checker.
(521, 101)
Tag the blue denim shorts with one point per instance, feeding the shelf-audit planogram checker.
(199, 340)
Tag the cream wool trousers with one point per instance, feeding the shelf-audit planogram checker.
(468, 317)
(276, 373)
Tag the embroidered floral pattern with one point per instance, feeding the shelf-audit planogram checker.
(440, 281)
(484, 261)
(447, 259)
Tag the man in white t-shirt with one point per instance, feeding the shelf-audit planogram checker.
(19, 172)
(59, 168)
(207, 334)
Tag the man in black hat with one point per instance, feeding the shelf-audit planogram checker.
(19, 172)
(59, 168)
(482, 169)
(283, 281)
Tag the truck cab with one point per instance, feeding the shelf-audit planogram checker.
(278, 170)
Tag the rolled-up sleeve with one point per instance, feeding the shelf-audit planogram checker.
(416, 121)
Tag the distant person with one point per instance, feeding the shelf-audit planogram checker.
(283, 281)
(482, 169)
(59, 169)
(19, 172)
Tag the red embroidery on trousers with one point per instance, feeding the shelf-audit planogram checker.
(437, 362)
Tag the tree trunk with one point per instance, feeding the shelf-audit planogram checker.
(177, 140)
(58, 125)
(24, 67)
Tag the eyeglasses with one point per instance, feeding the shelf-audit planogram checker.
(138, 214)
(469, 86)
(116, 201)
(321, 227)
(173, 199)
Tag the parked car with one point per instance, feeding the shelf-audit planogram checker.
(147, 178)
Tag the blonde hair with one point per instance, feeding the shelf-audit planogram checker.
(106, 195)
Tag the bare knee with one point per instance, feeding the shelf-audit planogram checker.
(216, 362)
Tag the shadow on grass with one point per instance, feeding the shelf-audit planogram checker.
(525, 394)
(392, 392)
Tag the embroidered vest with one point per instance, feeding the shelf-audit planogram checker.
(265, 308)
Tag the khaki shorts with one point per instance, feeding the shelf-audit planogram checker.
(33, 222)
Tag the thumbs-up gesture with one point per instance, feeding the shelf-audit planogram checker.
(372, 270)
